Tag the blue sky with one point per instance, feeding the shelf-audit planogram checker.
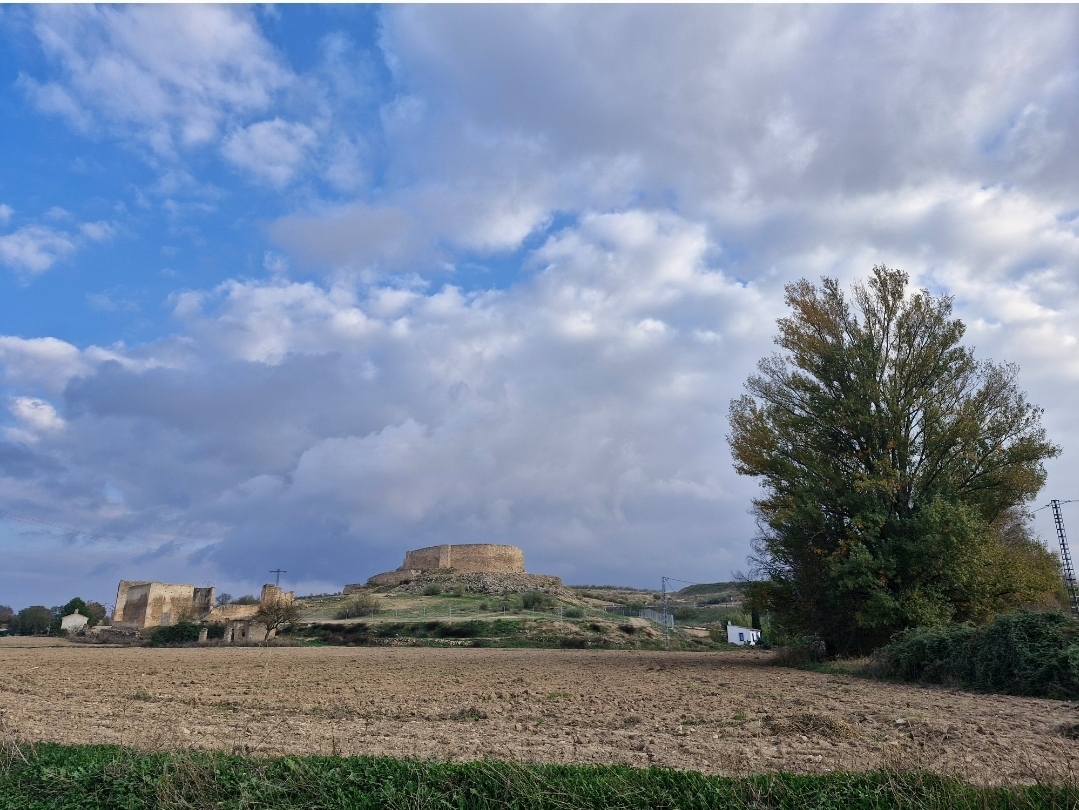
(307, 286)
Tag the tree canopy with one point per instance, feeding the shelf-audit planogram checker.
(895, 467)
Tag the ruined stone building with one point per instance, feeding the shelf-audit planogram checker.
(144, 605)
(158, 604)
(472, 557)
(241, 626)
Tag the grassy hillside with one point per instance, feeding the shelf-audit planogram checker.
(576, 618)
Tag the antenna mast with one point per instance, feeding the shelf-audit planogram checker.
(1065, 557)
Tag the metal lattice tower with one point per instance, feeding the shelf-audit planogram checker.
(1065, 556)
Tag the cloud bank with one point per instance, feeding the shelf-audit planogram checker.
(510, 300)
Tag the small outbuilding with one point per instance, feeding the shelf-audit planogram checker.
(73, 623)
(742, 635)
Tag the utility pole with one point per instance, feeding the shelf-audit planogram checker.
(666, 631)
(279, 572)
(1065, 556)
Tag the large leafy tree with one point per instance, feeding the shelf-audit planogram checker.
(895, 467)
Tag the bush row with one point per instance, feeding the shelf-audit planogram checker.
(1020, 653)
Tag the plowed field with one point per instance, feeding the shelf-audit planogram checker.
(724, 713)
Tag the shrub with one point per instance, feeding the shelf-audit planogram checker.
(574, 613)
(536, 600)
(484, 606)
(362, 604)
(1020, 653)
(461, 629)
(33, 621)
(458, 591)
(434, 589)
(573, 642)
(179, 633)
(246, 600)
(214, 631)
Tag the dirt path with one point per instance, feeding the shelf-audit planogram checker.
(726, 713)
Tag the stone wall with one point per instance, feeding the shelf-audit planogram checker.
(150, 604)
(486, 557)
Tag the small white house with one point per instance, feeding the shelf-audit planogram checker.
(73, 623)
(742, 635)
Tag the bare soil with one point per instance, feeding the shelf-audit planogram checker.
(722, 713)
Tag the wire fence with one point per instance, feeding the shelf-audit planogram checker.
(652, 615)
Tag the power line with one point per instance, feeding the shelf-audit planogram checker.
(44, 524)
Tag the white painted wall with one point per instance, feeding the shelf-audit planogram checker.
(742, 635)
(72, 622)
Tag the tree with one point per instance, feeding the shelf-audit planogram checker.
(34, 621)
(223, 599)
(96, 613)
(894, 467)
(276, 613)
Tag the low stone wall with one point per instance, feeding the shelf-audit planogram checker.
(389, 578)
(228, 613)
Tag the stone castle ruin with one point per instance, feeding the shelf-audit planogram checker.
(488, 558)
(145, 605)
(477, 567)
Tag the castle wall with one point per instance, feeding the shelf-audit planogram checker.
(481, 557)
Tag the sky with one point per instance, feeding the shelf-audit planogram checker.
(303, 287)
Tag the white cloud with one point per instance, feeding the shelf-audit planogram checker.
(97, 231)
(170, 76)
(34, 249)
(273, 152)
(6, 212)
(389, 416)
(36, 417)
(662, 173)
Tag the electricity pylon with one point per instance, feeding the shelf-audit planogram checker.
(1065, 556)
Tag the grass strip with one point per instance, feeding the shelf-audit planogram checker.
(56, 777)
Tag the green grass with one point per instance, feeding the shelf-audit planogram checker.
(55, 777)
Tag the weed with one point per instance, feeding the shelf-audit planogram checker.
(105, 777)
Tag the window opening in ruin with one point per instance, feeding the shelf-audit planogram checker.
(166, 619)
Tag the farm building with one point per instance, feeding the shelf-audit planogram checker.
(742, 635)
(73, 623)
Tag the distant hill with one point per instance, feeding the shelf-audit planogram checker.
(732, 591)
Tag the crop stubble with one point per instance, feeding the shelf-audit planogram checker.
(723, 713)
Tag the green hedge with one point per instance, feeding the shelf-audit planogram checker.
(1021, 653)
(179, 633)
(55, 777)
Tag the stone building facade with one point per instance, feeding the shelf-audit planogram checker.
(140, 604)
